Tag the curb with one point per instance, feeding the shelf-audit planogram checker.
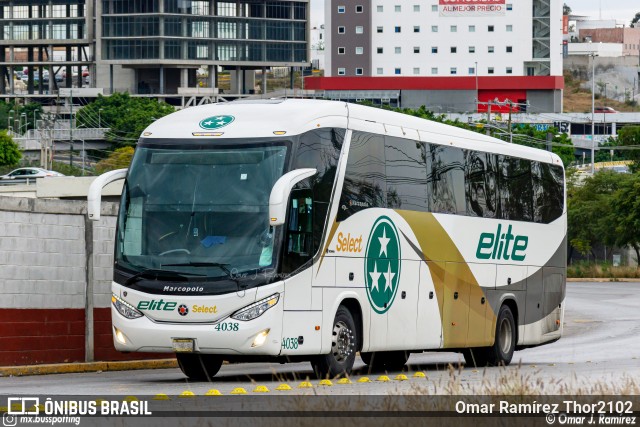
(73, 368)
(602, 279)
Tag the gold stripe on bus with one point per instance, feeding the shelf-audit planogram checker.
(450, 274)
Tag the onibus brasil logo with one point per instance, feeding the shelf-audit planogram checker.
(382, 264)
(216, 122)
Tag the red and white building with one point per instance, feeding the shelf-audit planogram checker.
(444, 54)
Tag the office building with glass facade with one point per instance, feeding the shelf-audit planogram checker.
(154, 46)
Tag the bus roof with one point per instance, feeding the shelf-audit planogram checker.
(286, 117)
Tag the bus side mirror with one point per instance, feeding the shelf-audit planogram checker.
(94, 197)
(280, 194)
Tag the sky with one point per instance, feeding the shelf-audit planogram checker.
(623, 10)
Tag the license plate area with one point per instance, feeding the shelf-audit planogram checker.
(183, 345)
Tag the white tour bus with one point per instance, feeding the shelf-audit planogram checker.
(292, 230)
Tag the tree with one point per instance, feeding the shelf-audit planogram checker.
(126, 116)
(630, 135)
(626, 214)
(566, 9)
(635, 20)
(9, 151)
(591, 210)
(119, 159)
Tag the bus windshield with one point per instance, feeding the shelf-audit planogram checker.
(194, 213)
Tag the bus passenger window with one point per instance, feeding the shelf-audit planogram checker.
(364, 185)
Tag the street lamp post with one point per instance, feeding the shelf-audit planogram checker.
(9, 120)
(25, 123)
(477, 89)
(593, 110)
(100, 118)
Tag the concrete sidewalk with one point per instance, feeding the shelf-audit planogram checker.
(70, 368)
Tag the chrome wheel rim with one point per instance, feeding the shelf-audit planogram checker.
(342, 344)
(506, 335)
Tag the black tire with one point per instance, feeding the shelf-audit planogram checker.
(199, 367)
(385, 360)
(343, 347)
(501, 352)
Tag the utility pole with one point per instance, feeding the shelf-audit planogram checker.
(71, 127)
(489, 112)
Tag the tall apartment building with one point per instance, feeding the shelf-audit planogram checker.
(151, 46)
(444, 53)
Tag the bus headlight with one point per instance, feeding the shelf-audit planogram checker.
(256, 309)
(124, 308)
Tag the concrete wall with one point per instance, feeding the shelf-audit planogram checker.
(55, 282)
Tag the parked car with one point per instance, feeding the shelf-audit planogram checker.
(24, 173)
(604, 110)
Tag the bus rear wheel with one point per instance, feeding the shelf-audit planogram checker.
(344, 342)
(501, 352)
(199, 367)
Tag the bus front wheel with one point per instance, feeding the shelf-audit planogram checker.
(199, 367)
(343, 347)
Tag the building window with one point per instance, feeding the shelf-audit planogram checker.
(397, 71)
(378, 70)
(359, 50)
(416, 49)
(398, 49)
(509, 49)
(416, 8)
(398, 29)
(490, 28)
(472, 49)
(341, 9)
(359, 71)
(398, 8)
(509, 6)
(416, 28)
(453, 70)
(472, 28)
(341, 30)
(379, 8)
(490, 70)
(379, 29)
(434, 8)
(434, 70)
(359, 9)
(434, 28)
(379, 50)
(454, 28)
(509, 28)
(472, 70)
(454, 49)
(341, 51)
(490, 49)
(359, 29)
(341, 71)
(434, 49)
(416, 70)
(509, 70)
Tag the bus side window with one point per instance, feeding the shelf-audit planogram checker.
(365, 184)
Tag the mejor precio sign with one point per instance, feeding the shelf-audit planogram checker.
(472, 7)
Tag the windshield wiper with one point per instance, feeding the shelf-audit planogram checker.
(159, 273)
(221, 266)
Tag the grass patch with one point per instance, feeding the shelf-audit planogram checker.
(605, 271)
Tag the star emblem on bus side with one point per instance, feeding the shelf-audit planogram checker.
(388, 275)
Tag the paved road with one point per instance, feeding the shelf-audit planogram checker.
(599, 352)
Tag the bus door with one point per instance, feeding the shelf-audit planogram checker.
(298, 251)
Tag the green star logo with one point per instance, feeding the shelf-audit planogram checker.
(216, 122)
(382, 262)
